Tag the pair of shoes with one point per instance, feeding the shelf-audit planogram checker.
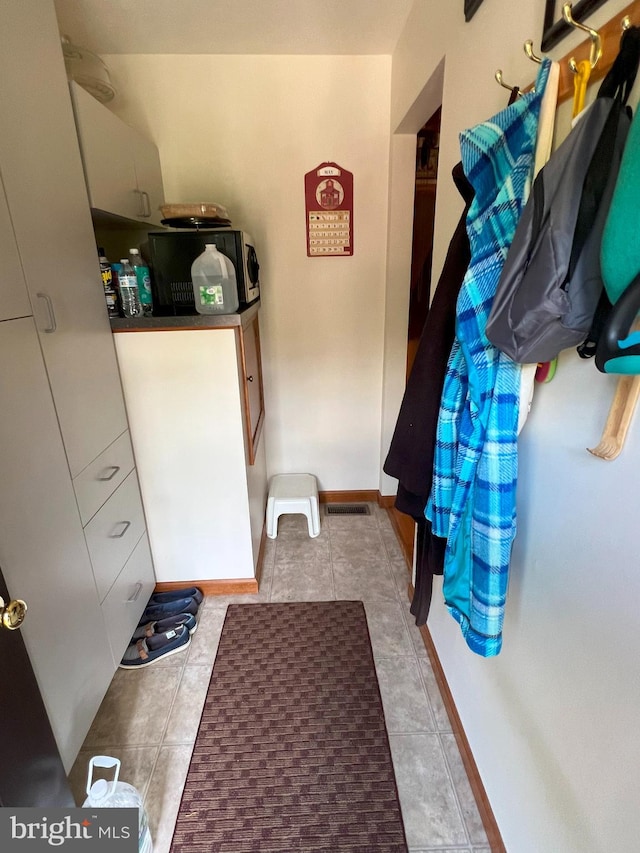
(165, 627)
(161, 605)
(167, 597)
(161, 626)
(147, 651)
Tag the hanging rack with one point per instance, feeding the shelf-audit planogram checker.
(498, 76)
(610, 37)
(595, 53)
(528, 49)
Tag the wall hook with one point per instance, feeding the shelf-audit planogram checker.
(504, 85)
(528, 49)
(594, 35)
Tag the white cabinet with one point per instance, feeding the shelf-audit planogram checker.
(43, 553)
(14, 300)
(63, 429)
(122, 168)
(201, 467)
(102, 477)
(113, 533)
(132, 587)
(44, 184)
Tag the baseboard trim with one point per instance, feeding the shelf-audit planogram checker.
(407, 550)
(475, 781)
(233, 586)
(386, 501)
(348, 496)
(259, 563)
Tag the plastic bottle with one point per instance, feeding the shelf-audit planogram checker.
(144, 281)
(116, 269)
(102, 794)
(129, 293)
(107, 282)
(214, 282)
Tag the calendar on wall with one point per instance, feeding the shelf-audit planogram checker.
(328, 191)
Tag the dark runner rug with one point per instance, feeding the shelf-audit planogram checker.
(292, 753)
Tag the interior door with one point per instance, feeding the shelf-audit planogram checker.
(31, 770)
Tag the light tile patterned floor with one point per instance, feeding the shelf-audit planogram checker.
(149, 719)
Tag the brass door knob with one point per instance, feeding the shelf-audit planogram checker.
(12, 614)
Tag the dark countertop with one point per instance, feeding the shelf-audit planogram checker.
(195, 321)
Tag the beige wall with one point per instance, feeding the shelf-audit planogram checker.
(243, 131)
(552, 720)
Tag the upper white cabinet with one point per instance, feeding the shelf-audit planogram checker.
(122, 168)
(14, 300)
(46, 194)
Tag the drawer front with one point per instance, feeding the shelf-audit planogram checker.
(127, 598)
(113, 533)
(99, 480)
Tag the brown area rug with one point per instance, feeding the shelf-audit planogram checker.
(292, 753)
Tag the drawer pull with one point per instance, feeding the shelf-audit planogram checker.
(114, 470)
(52, 316)
(136, 593)
(125, 526)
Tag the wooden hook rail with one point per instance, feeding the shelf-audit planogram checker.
(610, 33)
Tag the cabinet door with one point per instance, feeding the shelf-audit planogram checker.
(105, 143)
(14, 300)
(148, 176)
(43, 553)
(252, 385)
(47, 197)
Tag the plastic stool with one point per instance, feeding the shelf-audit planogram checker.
(291, 493)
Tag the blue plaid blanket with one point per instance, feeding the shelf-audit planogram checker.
(472, 501)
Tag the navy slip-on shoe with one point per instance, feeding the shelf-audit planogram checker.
(161, 626)
(147, 651)
(173, 594)
(154, 612)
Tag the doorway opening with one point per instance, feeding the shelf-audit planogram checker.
(424, 208)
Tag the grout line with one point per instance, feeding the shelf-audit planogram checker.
(453, 784)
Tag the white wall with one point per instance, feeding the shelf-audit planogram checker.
(243, 131)
(552, 720)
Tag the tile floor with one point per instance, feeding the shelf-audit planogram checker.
(149, 719)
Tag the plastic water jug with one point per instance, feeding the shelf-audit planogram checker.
(102, 794)
(214, 282)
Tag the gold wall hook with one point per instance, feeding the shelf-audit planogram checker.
(596, 42)
(625, 23)
(528, 49)
(498, 76)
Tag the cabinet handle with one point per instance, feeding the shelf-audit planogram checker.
(249, 378)
(136, 593)
(52, 316)
(141, 200)
(126, 526)
(114, 470)
(146, 207)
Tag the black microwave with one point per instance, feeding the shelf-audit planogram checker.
(172, 253)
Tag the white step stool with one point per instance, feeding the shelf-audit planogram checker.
(291, 493)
